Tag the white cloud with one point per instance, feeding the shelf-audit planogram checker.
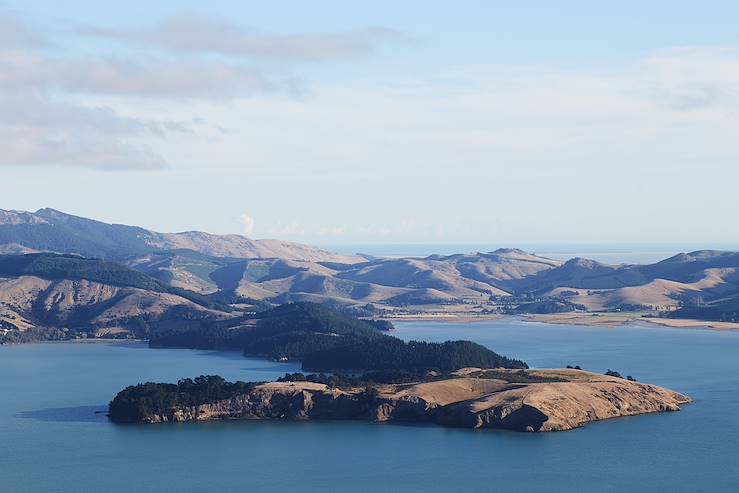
(36, 130)
(141, 77)
(518, 147)
(46, 117)
(203, 34)
(334, 231)
(248, 223)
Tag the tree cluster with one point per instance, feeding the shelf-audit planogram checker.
(390, 353)
(326, 340)
(136, 403)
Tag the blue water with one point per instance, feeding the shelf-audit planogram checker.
(51, 438)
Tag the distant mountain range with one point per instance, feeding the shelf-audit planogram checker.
(170, 276)
(48, 230)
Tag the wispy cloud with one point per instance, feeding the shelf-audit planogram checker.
(45, 114)
(142, 77)
(207, 35)
(248, 224)
(15, 34)
(35, 130)
(334, 231)
(693, 78)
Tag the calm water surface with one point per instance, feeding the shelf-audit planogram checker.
(53, 437)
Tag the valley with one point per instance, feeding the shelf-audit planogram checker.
(92, 279)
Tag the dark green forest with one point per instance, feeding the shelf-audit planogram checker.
(288, 331)
(326, 339)
(390, 353)
(134, 403)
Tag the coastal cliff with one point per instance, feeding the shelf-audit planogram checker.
(521, 400)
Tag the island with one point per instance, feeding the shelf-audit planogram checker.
(367, 374)
(508, 399)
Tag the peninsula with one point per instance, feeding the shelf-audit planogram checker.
(373, 376)
(510, 399)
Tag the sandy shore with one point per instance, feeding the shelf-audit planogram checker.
(583, 319)
(445, 317)
(616, 320)
(679, 323)
(92, 340)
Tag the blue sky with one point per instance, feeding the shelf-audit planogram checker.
(389, 122)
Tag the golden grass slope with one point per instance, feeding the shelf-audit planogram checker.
(61, 300)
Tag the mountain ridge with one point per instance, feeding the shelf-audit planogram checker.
(55, 231)
(231, 268)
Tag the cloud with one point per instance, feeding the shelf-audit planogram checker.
(559, 143)
(207, 35)
(35, 130)
(14, 34)
(332, 231)
(41, 125)
(45, 114)
(693, 78)
(143, 77)
(248, 224)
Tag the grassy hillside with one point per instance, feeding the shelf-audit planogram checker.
(58, 232)
(56, 266)
(54, 231)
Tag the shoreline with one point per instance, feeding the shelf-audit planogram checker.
(587, 319)
(614, 320)
(528, 400)
(80, 341)
(451, 318)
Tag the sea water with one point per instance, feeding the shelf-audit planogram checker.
(54, 435)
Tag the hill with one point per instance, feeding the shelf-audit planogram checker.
(288, 331)
(326, 340)
(49, 230)
(93, 297)
(226, 272)
(684, 279)
(720, 310)
(432, 280)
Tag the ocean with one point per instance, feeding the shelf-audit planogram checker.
(54, 435)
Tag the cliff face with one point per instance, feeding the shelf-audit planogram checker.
(531, 400)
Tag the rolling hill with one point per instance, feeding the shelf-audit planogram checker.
(225, 272)
(93, 297)
(49, 230)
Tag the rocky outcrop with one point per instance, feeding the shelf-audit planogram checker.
(521, 400)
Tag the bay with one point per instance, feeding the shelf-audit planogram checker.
(54, 435)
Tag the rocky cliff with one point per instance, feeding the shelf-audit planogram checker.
(521, 400)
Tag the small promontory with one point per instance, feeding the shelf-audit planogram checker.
(511, 399)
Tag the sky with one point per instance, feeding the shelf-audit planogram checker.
(332, 122)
